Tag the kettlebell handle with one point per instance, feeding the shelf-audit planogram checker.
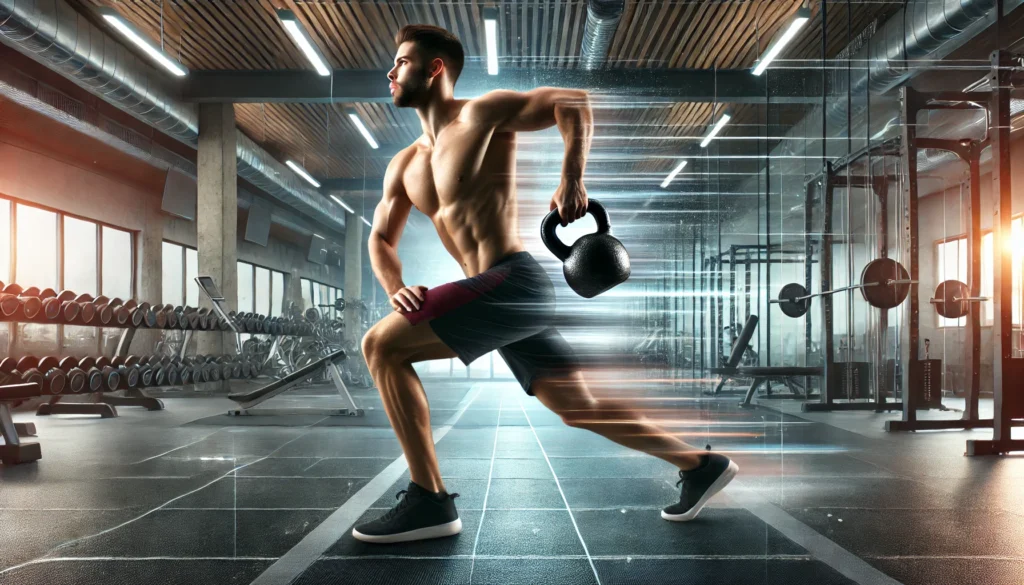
(550, 238)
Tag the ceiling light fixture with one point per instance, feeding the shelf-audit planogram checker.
(726, 116)
(352, 115)
(343, 204)
(364, 221)
(302, 173)
(491, 32)
(673, 174)
(118, 22)
(301, 38)
(780, 41)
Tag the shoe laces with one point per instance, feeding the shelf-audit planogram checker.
(404, 503)
(682, 477)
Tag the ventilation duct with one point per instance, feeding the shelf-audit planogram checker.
(52, 33)
(602, 20)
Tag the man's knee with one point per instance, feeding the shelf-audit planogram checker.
(567, 397)
(377, 345)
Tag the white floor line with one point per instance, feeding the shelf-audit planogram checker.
(177, 448)
(487, 492)
(562, 493)
(301, 556)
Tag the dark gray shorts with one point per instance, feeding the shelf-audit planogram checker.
(510, 307)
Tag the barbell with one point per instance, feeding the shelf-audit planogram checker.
(951, 299)
(884, 283)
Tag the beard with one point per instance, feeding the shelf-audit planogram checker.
(411, 93)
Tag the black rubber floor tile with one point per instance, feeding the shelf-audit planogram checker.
(721, 531)
(202, 533)
(30, 534)
(535, 468)
(364, 467)
(614, 467)
(532, 572)
(717, 572)
(386, 571)
(272, 492)
(149, 572)
(522, 532)
(932, 532)
(608, 492)
(953, 571)
(524, 493)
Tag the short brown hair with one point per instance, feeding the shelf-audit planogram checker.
(436, 42)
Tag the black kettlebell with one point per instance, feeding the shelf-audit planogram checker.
(596, 262)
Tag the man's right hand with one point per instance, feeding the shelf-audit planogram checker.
(408, 298)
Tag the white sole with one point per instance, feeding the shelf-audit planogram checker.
(441, 530)
(720, 483)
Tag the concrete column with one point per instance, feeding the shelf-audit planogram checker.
(149, 267)
(217, 214)
(353, 276)
(293, 290)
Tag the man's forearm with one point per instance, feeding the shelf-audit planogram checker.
(386, 266)
(576, 123)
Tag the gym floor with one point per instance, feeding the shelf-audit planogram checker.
(190, 495)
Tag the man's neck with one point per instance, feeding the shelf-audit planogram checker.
(436, 116)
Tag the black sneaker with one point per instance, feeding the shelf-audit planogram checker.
(699, 485)
(418, 516)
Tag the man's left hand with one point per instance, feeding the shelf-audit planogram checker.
(570, 199)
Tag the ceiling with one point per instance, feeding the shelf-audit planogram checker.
(632, 140)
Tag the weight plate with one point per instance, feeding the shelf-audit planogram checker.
(882, 270)
(789, 305)
(946, 295)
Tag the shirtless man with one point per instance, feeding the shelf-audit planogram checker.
(461, 174)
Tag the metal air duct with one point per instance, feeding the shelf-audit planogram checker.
(602, 20)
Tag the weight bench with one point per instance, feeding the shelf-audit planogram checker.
(729, 370)
(759, 374)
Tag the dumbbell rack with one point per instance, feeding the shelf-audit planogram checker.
(248, 401)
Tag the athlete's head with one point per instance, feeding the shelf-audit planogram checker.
(425, 57)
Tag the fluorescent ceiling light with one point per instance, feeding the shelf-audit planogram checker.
(302, 173)
(342, 203)
(364, 221)
(673, 174)
(779, 42)
(299, 36)
(362, 130)
(715, 129)
(132, 35)
(491, 32)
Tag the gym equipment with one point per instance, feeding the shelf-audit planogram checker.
(884, 283)
(594, 263)
(53, 378)
(13, 450)
(952, 298)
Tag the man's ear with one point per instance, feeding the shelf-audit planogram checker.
(436, 67)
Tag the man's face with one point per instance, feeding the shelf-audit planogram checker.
(410, 77)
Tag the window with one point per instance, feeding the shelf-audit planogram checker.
(315, 293)
(36, 247)
(260, 290)
(180, 265)
(61, 252)
(951, 263)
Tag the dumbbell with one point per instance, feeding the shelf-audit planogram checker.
(9, 367)
(130, 373)
(97, 379)
(78, 378)
(9, 301)
(146, 371)
(111, 374)
(51, 305)
(86, 310)
(29, 303)
(54, 379)
(69, 309)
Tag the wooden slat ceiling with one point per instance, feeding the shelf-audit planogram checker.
(246, 34)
